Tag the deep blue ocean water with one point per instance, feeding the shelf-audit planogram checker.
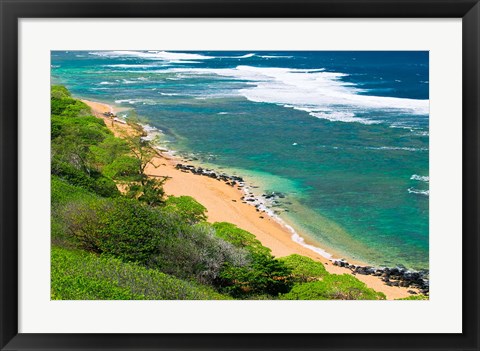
(344, 135)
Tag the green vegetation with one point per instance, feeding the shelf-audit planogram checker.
(139, 244)
(304, 269)
(62, 103)
(333, 287)
(190, 209)
(415, 297)
(264, 276)
(78, 275)
(240, 238)
(74, 132)
(313, 282)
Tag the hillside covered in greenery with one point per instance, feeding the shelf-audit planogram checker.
(139, 243)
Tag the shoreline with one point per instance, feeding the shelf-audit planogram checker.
(225, 203)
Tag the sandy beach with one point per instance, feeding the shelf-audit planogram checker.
(224, 204)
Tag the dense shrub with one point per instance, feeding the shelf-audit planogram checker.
(63, 193)
(62, 103)
(189, 209)
(122, 227)
(240, 238)
(108, 151)
(59, 92)
(333, 287)
(196, 252)
(123, 167)
(135, 232)
(264, 275)
(304, 269)
(94, 181)
(79, 275)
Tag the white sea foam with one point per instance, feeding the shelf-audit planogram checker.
(420, 178)
(339, 116)
(298, 239)
(153, 55)
(152, 132)
(419, 192)
(274, 56)
(403, 148)
(168, 94)
(415, 131)
(106, 83)
(246, 56)
(130, 101)
(322, 94)
(131, 66)
(184, 61)
(238, 57)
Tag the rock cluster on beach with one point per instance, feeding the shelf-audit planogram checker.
(228, 179)
(398, 276)
(260, 202)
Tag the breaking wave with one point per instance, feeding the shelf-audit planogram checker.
(321, 94)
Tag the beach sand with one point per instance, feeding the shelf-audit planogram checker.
(224, 204)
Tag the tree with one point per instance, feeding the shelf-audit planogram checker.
(148, 189)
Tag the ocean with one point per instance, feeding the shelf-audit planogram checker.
(341, 136)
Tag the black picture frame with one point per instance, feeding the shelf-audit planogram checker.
(12, 11)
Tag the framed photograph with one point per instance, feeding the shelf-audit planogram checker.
(247, 175)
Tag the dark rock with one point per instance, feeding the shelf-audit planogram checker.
(360, 270)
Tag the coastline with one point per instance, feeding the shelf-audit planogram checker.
(225, 203)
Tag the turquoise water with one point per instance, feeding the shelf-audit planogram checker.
(344, 135)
